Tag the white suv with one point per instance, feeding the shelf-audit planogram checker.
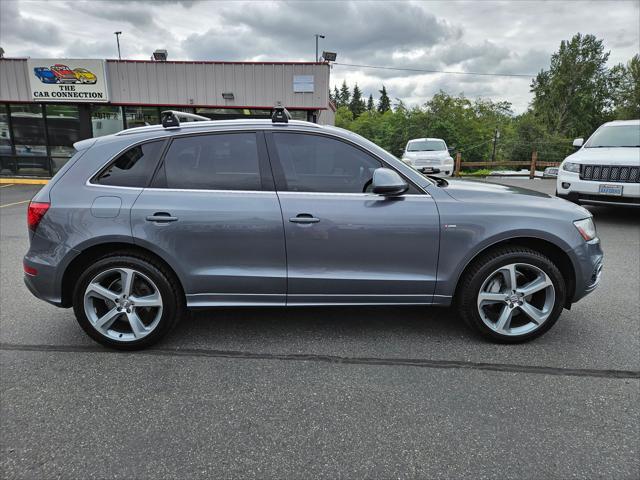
(606, 170)
(428, 155)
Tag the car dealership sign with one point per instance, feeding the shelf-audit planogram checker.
(67, 80)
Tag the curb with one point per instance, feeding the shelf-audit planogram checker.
(24, 181)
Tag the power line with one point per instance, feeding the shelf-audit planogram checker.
(422, 70)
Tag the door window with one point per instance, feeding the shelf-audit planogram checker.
(213, 162)
(314, 163)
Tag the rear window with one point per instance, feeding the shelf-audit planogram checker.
(132, 168)
(213, 162)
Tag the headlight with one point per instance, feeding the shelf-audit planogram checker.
(586, 228)
(571, 167)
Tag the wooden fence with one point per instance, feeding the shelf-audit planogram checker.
(532, 164)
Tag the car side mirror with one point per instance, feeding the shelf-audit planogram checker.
(387, 182)
(578, 142)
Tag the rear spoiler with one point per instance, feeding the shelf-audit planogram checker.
(84, 144)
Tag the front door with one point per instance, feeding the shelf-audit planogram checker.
(344, 244)
(213, 214)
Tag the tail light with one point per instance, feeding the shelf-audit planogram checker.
(35, 212)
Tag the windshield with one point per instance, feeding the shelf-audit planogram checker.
(615, 136)
(426, 146)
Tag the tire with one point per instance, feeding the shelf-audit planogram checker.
(114, 315)
(488, 304)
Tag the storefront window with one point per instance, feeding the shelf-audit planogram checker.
(141, 116)
(30, 140)
(106, 120)
(63, 127)
(7, 164)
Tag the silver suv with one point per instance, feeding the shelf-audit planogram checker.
(140, 225)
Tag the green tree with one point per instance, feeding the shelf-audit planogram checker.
(626, 89)
(370, 104)
(357, 105)
(344, 117)
(336, 96)
(573, 98)
(345, 95)
(384, 104)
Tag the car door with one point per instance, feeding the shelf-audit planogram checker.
(212, 212)
(344, 244)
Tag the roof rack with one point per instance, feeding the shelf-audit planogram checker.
(279, 114)
(172, 118)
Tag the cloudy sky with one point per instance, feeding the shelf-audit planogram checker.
(514, 37)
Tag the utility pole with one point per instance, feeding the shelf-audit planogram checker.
(496, 136)
(117, 34)
(317, 35)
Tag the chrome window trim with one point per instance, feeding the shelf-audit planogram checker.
(210, 190)
(351, 194)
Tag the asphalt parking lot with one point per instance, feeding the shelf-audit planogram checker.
(331, 393)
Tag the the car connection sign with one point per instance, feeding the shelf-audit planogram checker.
(67, 80)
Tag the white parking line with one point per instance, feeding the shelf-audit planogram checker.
(14, 203)
(8, 185)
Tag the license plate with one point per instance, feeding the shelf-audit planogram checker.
(610, 190)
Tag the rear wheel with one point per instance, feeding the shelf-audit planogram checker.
(127, 302)
(512, 294)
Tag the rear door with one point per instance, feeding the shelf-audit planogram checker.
(212, 212)
(346, 245)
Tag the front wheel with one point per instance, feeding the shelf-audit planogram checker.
(512, 294)
(127, 302)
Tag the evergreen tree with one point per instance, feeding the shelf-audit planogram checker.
(357, 105)
(370, 105)
(345, 96)
(336, 97)
(384, 104)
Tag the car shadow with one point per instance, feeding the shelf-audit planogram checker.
(255, 327)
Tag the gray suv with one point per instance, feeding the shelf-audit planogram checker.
(141, 225)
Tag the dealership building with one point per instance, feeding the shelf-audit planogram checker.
(48, 104)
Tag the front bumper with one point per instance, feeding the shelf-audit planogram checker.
(570, 187)
(588, 261)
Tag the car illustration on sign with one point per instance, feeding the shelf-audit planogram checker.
(85, 76)
(45, 75)
(64, 74)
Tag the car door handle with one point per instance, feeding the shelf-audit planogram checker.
(162, 217)
(304, 218)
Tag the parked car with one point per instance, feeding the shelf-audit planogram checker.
(85, 76)
(140, 225)
(64, 74)
(550, 172)
(45, 75)
(429, 155)
(605, 169)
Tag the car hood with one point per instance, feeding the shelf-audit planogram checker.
(607, 156)
(492, 193)
(427, 155)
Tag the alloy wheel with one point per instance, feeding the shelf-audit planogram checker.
(123, 304)
(516, 299)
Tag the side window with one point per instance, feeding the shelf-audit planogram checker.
(133, 168)
(214, 162)
(313, 163)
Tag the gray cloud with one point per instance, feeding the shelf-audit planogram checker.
(473, 36)
(17, 27)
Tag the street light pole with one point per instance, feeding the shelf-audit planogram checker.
(317, 35)
(117, 34)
